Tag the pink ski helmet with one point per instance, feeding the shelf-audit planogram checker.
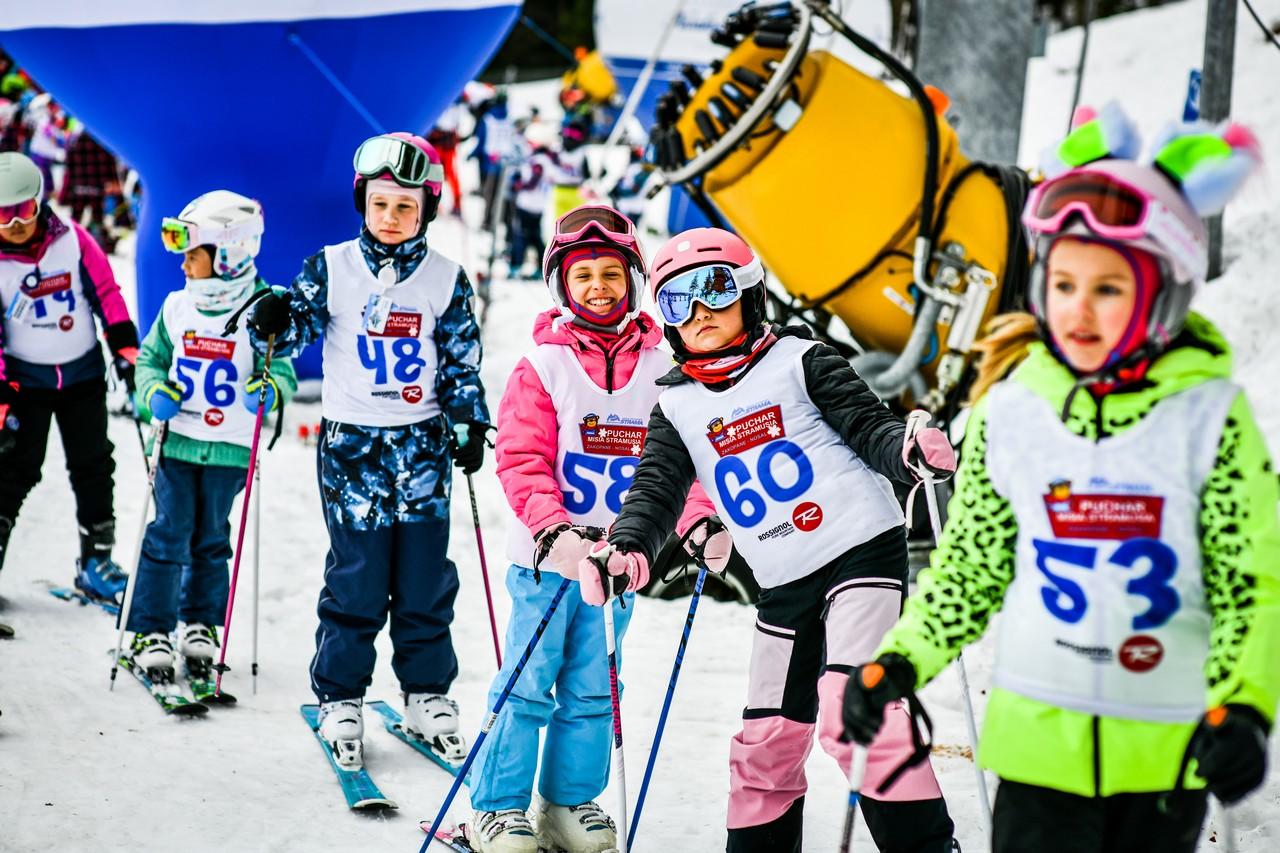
(409, 160)
(728, 271)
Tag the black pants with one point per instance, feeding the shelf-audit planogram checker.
(1031, 818)
(526, 234)
(81, 413)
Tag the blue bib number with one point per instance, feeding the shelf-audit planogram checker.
(1066, 599)
(405, 357)
(66, 297)
(747, 506)
(586, 474)
(219, 379)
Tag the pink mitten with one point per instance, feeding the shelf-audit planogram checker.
(930, 449)
(565, 546)
(709, 541)
(625, 571)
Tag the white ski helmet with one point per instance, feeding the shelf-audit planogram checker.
(20, 179)
(228, 222)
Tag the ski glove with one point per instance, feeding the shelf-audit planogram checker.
(164, 399)
(1230, 748)
(561, 547)
(871, 687)
(929, 450)
(8, 423)
(270, 315)
(466, 445)
(607, 572)
(122, 340)
(253, 387)
(709, 543)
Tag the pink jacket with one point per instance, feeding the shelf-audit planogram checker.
(527, 428)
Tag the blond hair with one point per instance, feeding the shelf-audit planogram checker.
(1001, 350)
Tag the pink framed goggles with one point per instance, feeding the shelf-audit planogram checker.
(1114, 210)
(606, 221)
(21, 213)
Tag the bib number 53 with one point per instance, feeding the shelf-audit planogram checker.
(1066, 599)
(745, 505)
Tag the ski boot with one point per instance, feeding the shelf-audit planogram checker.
(342, 727)
(576, 829)
(198, 644)
(433, 719)
(506, 831)
(97, 574)
(6, 528)
(153, 654)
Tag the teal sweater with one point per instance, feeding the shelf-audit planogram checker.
(154, 361)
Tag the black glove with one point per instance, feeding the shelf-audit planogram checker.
(8, 423)
(467, 446)
(122, 340)
(270, 315)
(1230, 747)
(871, 687)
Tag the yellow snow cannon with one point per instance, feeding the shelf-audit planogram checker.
(856, 197)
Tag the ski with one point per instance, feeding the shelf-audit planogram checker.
(357, 786)
(203, 682)
(67, 593)
(454, 838)
(167, 694)
(6, 633)
(395, 724)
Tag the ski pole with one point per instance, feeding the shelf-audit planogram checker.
(666, 702)
(619, 771)
(131, 584)
(493, 713)
(915, 421)
(257, 553)
(221, 666)
(1228, 828)
(484, 572)
(857, 772)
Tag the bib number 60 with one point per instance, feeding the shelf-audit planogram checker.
(1066, 599)
(746, 506)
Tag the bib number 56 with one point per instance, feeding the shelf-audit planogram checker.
(745, 505)
(219, 379)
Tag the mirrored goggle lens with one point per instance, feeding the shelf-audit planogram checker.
(1109, 203)
(610, 220)
(408, 163)
(22, 212)
(177, 236)
(715, 287)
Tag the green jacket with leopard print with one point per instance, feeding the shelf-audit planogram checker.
(1042, 744)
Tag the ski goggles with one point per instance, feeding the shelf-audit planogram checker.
(22, 213)
(715, 286)
(408, 164)
(180, 236)
(1114, 210)
(608, 222)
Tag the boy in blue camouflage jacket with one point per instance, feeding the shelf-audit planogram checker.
(401, 394)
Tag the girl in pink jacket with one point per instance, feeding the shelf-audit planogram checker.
(571, 427)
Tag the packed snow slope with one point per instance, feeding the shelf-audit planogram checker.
(96, 770)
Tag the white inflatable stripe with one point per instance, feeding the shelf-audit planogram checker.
(82, 14)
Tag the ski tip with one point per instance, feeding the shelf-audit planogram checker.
(376, 804)
(190, 709)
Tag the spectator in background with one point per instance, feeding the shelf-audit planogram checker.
(445, 136)
(92, 174)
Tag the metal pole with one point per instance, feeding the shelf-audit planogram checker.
(257, 553)
(1215, 94)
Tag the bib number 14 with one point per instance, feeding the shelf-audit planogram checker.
(1066, 599)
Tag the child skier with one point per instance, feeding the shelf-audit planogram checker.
(532, 187)
(401, 393)
(1116, 494)
(792, 440)
(570, 427)
(54, 282)
(190, 373)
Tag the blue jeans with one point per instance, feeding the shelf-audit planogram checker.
(183, 570)
(570, 658)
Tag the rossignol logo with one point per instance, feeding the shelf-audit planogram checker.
(786, 528)
(65, 322)
(1102, 516)
(400, 324)
(746, 432)
(197, 346)
(385, 395)
(807, 516)
(412, 393)
(214, 417)
(1141, 653)
(1097, 654)
(611, 440)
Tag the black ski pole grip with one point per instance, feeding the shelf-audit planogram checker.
(748, 78)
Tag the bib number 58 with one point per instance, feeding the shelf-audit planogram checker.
(746, 506)
(582, 474)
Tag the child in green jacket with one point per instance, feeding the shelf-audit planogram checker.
(206, 385)
(1115, 500)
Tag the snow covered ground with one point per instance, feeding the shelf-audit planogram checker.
(92, 770)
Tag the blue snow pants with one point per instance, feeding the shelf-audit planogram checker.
(570, 660)
(385, 492)
(183, 570)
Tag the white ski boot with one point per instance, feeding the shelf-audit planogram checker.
(576, 829)
(153, 654)
(342, 727)
(507, 831)
(198, 645)
(433, 718)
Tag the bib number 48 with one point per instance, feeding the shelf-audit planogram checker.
(404, 363)
(1066, 599)
(745, 505)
